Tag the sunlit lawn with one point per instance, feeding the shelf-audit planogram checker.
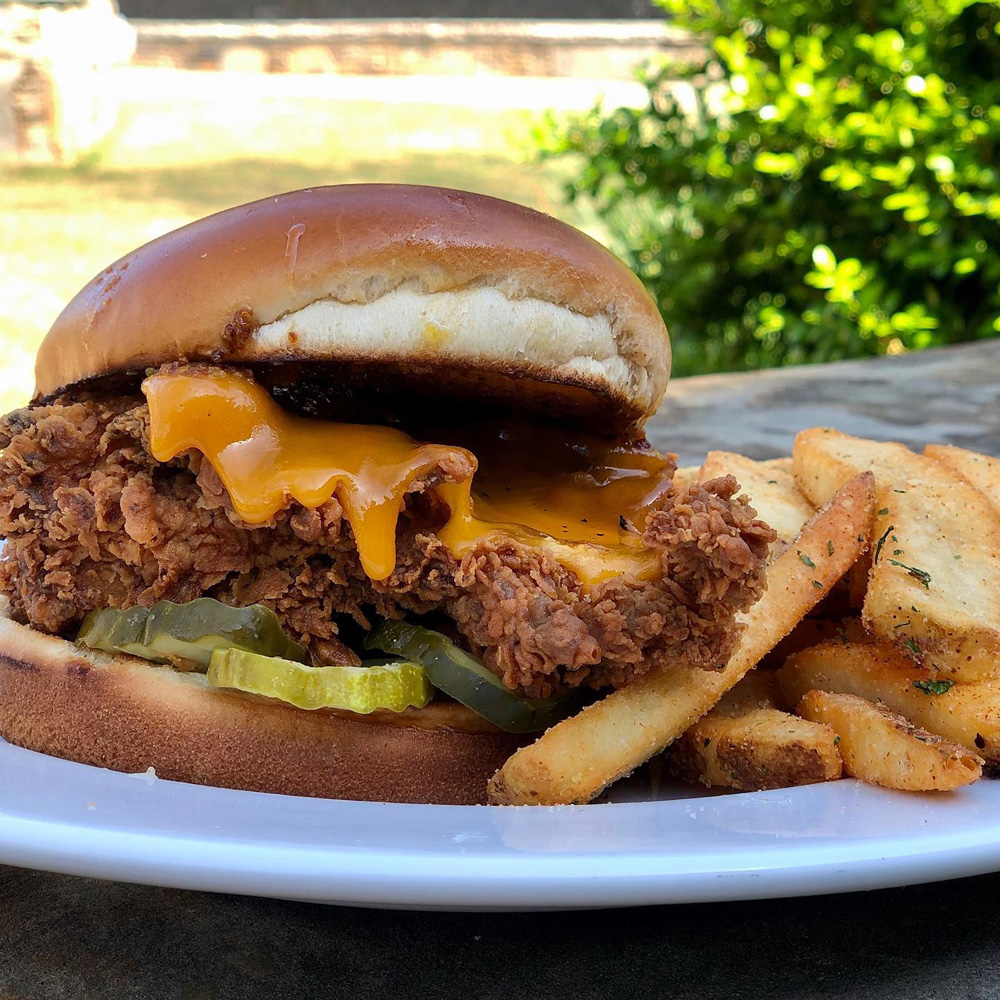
(60, 227)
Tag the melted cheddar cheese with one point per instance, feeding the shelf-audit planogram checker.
(585, 506)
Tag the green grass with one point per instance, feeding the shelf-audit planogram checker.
(58, 228)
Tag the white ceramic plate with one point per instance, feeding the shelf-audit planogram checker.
(66, 817)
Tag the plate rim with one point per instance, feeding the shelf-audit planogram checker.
(468, 872)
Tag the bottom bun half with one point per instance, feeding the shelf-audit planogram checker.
(125, 714)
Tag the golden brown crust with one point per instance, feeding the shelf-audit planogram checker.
(122, 713)
(203, 291)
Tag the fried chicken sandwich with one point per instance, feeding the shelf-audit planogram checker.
(345, 493)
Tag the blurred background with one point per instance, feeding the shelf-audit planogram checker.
(795, 182)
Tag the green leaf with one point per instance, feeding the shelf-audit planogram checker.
(823, 258)
(777, 38)
(941, 164)
(776, 163)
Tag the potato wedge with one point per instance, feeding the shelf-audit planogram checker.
(811, 632)
(756, 749)
(882, 748)
(824, 459)
(771, 488)
(968, 714)
(577, 758)
(981, 471)
(757, 689)
(744, 743)
(687, 475)
(934, 588)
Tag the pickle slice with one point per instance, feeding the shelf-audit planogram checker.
(114, 630)
(467, 680)
(186, 634)
(395, 685)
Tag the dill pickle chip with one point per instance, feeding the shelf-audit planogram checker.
(395, 685)
(467, 680)
(113, 630)
(186, 634)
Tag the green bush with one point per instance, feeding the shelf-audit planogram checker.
(822, 185)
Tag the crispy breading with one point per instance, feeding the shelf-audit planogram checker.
(92, 520)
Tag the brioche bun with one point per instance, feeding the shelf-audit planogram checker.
(451, 295)
(128, 715)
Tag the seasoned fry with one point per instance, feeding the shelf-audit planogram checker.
(687, 475)
(756, 749)
(857, 580)
(934, 589)
(823, 460)
(577, 758)
(968, 714)
(811, 632)
(882, 748)
(758, 689)
(981, 471)
(771, 488)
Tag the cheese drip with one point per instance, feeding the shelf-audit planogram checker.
(266, 456)
(582, 504)
(583, 501)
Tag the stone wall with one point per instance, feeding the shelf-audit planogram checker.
(224, 10)
(590, 49)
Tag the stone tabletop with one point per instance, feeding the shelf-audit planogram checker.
(951, 395)
(64, 937)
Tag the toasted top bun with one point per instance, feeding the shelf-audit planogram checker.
(453, 294)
